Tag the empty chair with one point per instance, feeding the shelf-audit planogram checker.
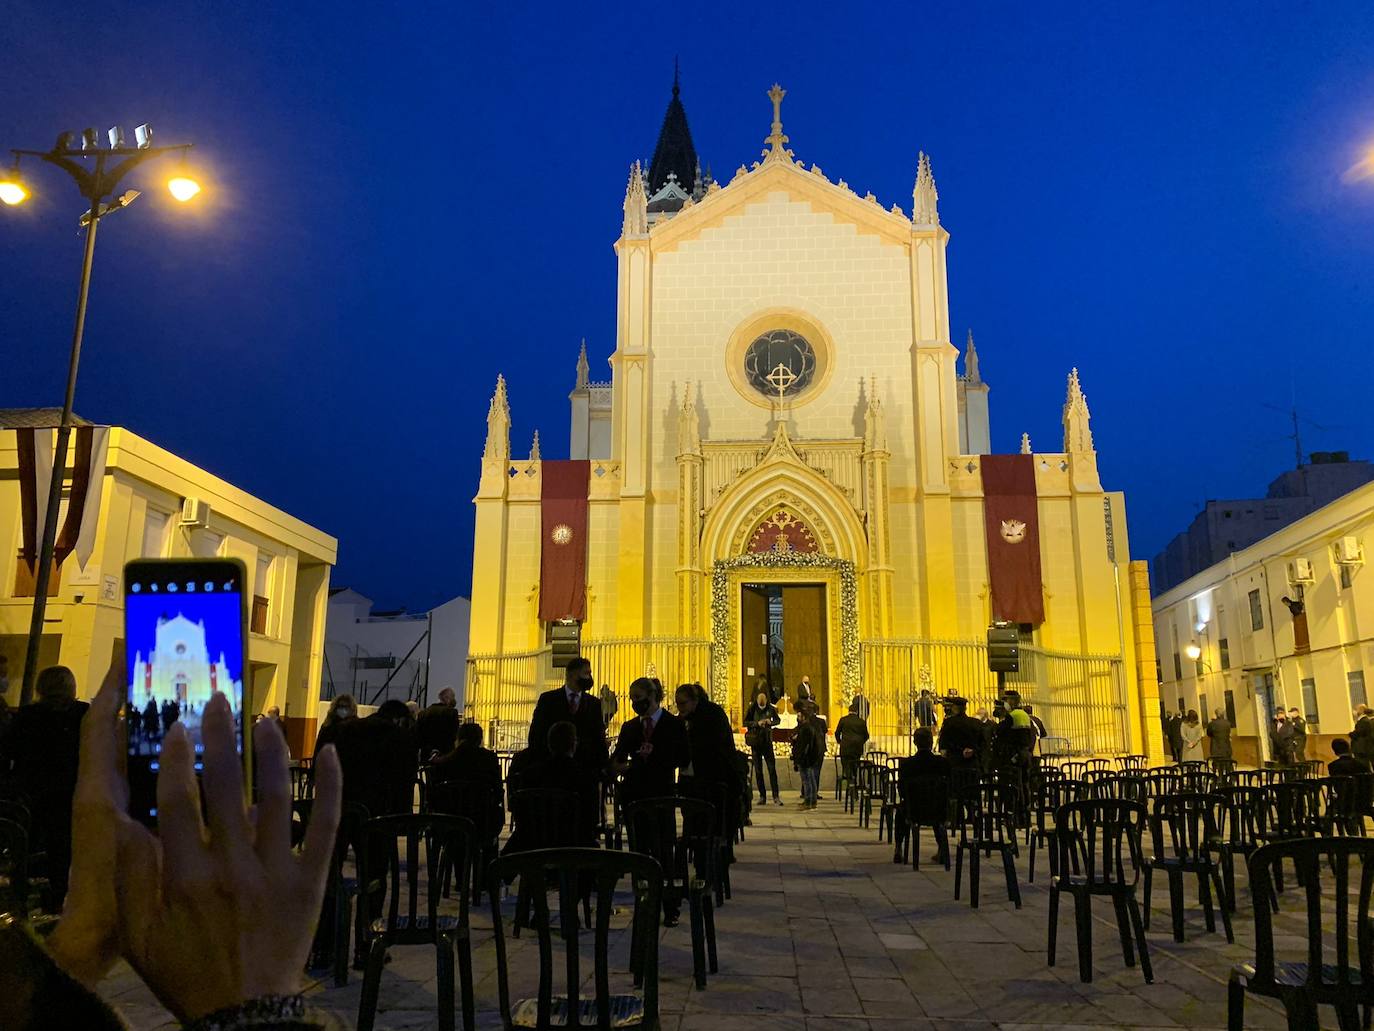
(1186, 833)
(1242, 817)
(687, 855)
(447, 841)
(988, 825)
(1223, 768)
(1099, 846)
(1131, 762)
(1336, 967)
(575, 873)
(926, 805)
(1050, 791)
(1097, 764)
(1115, 785)
(1074, 768)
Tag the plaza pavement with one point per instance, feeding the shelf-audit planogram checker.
(824, 931)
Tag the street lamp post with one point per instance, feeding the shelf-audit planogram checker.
(97, 186)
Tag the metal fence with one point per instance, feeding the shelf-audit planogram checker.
(1080, 698)
(502, 689)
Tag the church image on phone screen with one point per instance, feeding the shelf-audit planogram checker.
(183, 650)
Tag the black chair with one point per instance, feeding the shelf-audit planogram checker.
(447, 841)
(1186, 832)
(1131, 762)
(1161, 781)
(1051, 789)
(1256, 778)
(1223, 768)
(686, 855)
(1302, 985)
(542, 818)
(16, 887)
(928, 806)
(1344, 801)
(1099, 846)
(342, 892)
(1242, 817)
(1097, 764)
(1290, 809)
(480, 804)
(988, 825)
(1115, 785)
(576, 873)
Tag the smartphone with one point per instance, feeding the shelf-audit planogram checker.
(185, 632)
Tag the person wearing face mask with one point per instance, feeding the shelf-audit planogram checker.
(576, 703)
(651, 748)
(341, 710)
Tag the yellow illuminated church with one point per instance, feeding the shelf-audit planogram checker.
(788, 474)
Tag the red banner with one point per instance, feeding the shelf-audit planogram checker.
(563, 536)
(1013, 536)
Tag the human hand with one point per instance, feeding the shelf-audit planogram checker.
(645, 750)
(85, 942)
(212, 918)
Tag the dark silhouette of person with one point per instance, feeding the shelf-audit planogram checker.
(469, 761)
(436, 728)
(44, 747)
(575, 703)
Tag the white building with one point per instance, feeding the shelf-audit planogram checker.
(379, 655)
(1288, 621)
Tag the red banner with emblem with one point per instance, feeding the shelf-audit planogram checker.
(1013, 535)
(563, 537)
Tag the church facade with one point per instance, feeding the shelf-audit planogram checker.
(788, 474)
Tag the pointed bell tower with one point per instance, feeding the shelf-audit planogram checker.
(674, 152)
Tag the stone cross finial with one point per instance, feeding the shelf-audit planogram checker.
(534, 448)
(688, 425)
(777, 142)
(498, 424)
(1078, 436)
(1025, 444)
(971, 361)
(924, 196)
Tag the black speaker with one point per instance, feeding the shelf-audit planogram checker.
(565, 639)
(1004, 648)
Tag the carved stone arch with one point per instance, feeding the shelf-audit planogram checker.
(783, 479)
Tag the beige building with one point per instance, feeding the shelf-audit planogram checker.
(152, 504)
(1227, 637)
(787, 473)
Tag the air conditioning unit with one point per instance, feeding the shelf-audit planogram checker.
(1300, 571)
(1349, 552)
(195, 512)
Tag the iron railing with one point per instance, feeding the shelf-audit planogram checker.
(1080, 698)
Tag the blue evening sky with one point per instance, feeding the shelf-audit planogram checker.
(219, 611)
(406, 200)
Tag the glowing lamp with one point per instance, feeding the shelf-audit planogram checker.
(183, 188)
(12, 191)
(1193, 651)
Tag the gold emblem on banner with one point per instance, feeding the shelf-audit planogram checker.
(1013, 531)
(561, 534)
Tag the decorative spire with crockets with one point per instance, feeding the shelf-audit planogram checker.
(1078, 437)
(498, 425)
(971, 361)
(924, 196)
(583, 369)
(636, 221)
(534, 448)
(675, 151)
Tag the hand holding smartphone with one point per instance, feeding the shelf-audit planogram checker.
(185, 623)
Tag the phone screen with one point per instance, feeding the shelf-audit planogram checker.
(184, 643)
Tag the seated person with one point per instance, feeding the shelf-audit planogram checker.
(472, 763)
(557, 772)
(916, 775)
(1346, 765)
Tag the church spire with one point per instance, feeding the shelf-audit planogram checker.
(875, 427)
(583, 369)
(636, 221)
(924, 196)
(688, 425)
(1025, 444)
(971, 361)
(498, 424)
(675, 151)
(1078, 437)
(534, 448)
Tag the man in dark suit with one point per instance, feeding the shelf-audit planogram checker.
(436, 728)
(714, 773)
(575, 703)
(652, 747)
(44, 746)
(650, 750)
(961, 736)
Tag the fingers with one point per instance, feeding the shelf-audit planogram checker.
(138, 879)
(318, 851)
(224, 803)
(178, 802)
(274, 793)
(98, 769)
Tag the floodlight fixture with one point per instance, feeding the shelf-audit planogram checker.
(90, 139)
(143, 136)
(116, 135)
(65, 141)
(12, 189)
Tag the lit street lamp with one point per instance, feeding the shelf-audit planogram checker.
(97, 185)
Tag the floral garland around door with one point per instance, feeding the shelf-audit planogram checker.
(724, 629)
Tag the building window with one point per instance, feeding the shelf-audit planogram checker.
(1178, 667)
(1355, 680)
(262, 594)
(155, 525)
(258, 618)
(1202, 708)
(780, 361)
(1309, 704)
(1224, 650)
(1256, 611)
(1345, 578)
